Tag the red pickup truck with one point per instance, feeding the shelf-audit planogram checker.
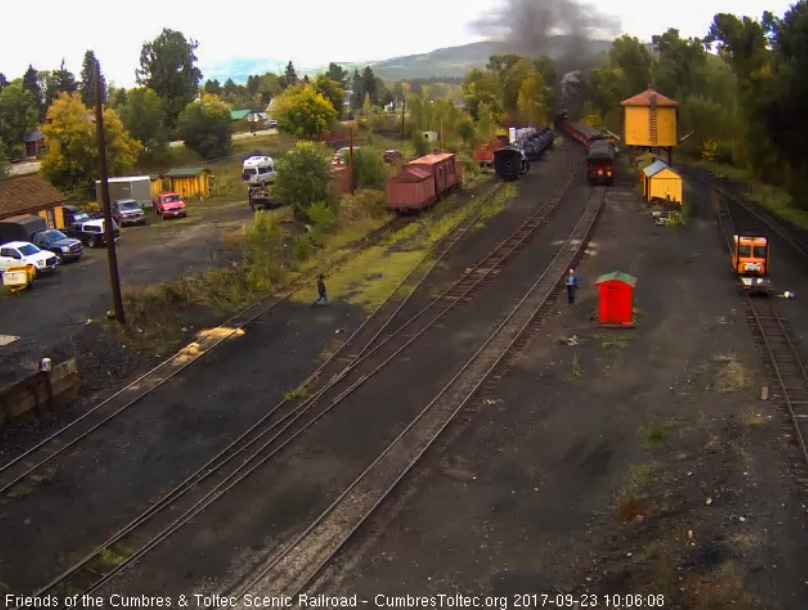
(170, 205)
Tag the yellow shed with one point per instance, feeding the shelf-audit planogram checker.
(651, 120)
(661, 182)
(190, 182)
(155, 185)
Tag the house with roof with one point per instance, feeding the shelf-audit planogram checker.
(190, 182)
(32, 194)
(34, 144)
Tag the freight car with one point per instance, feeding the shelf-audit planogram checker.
(581, 132)
(484, 153)
(423, 182)
(600, 163)
(510, 163)
(537, 142)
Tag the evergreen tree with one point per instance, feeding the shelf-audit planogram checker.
(291, 75)
(369, 86)
(213, 87)
(357, 95)
(61, 81)
(3, 82)
(30, 82)
(87, 85)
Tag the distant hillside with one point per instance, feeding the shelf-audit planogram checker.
(457, 61)
(450, 61)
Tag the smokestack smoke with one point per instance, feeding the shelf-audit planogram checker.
(528, 24)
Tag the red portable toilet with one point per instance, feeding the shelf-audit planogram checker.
(616, 302)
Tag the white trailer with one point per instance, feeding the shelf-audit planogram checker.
(127, 187)
(258, 171)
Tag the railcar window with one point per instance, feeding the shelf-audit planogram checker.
(745, 251)
(759, 252)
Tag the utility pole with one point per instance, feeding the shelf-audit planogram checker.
(442, 141)
(112, 257)
(403, 114)
(350, 145)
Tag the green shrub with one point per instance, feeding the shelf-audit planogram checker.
(301, 249)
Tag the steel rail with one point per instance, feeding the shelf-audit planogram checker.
(307, 561)
(442, 247)
(296, 414)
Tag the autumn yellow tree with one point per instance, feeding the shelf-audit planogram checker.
(304, 112)
(532, 101)
(71, 160)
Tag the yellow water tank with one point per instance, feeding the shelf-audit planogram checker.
(651, 120)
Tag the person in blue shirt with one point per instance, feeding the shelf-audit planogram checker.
(323, 297)
(572, 286)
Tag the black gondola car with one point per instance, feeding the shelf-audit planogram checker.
(510, 163)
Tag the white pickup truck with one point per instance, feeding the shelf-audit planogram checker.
(21, 254)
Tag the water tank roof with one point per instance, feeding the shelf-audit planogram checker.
(644, 99)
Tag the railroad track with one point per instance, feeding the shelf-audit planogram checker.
(765, 218)
(285, 421)
(785, 366)
(19, 468)
(294, 568)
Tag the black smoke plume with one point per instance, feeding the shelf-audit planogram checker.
(561, 29)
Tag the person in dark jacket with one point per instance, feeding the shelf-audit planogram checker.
(572, 286)
(323, 297)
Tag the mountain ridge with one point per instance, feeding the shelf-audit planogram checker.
(448, 62)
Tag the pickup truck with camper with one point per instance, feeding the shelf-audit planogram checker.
(258, 171)
(260, 198)
(33, 229)
(71, 215)
(91, 232)
(26, 254)
(136, 188)
(170, 205)
(128, 212)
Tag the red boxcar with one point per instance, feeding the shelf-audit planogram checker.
(405, 192)
(412, 189)
(484, 153)
(341, 180)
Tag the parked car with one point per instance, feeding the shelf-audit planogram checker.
(28, 228)
(392, 156)
(128, 212)
(64, 247)
(91, 232)
(272, 123)
(170, 205)
(22, 253)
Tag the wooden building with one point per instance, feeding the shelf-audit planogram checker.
(651, 122)
(32, 194)
(34, 143)
(190, 182)
(661, 183)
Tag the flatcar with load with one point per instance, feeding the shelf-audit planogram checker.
(423, 182)
(510, 163)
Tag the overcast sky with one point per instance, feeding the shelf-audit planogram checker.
(309, 32)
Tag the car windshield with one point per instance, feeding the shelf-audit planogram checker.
(129, 205)
(28, 249)
(81, 216)
(171, 199)
(53, 236)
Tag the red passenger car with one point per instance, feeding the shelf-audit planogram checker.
(424, 181)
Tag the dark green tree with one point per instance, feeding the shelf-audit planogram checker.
(357, 93)
(145, 119)
(3, 82)
(680, 65)
(87, 84)
(304, 178)
(331, 91)
(338, 74)
(636, 61)
(369, 86)
(291, 75)
(230, 87)
(167, 65)
(206, 128)
(213, 87)
(19, 114)
(61, 81)
(30, 82)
